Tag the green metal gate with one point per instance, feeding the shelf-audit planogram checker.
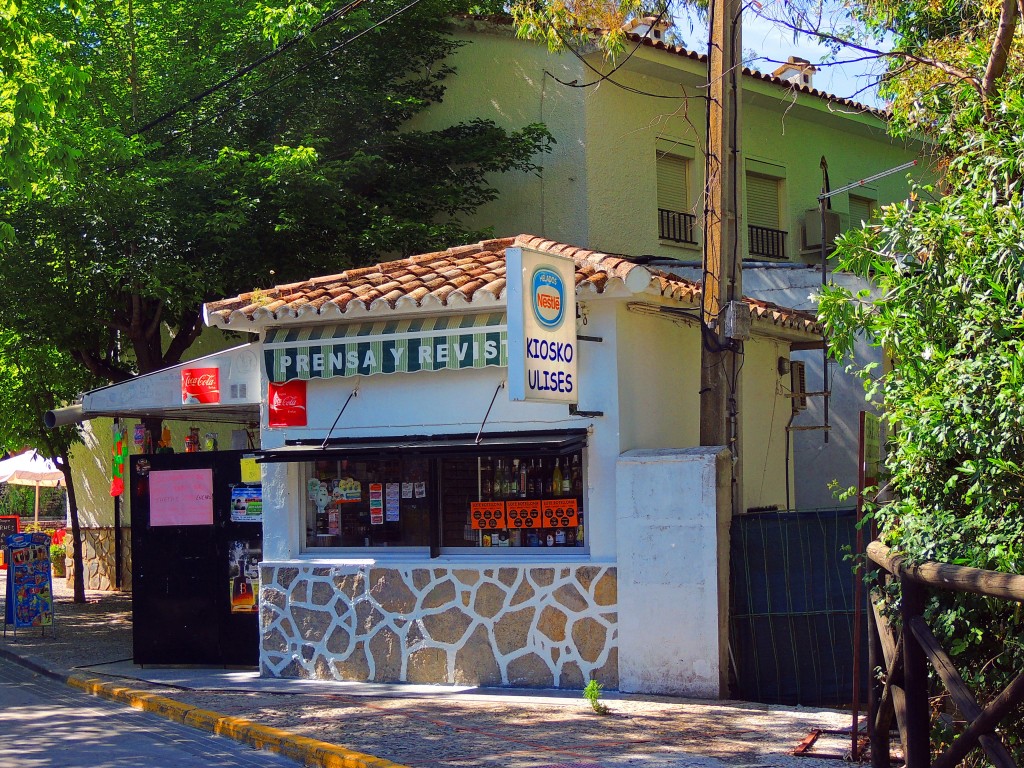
(791, 607)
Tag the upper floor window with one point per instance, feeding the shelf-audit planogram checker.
(675, 222)
(862, 210)
(766, 238)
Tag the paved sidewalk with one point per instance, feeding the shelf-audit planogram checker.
(424, 726)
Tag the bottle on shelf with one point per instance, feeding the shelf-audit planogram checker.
(566, 480)
(506, 482)
(577, 476)
(556, 479)
(499, 481)
(513, 485)
(524, 479)
(486, 482)
(546, 476)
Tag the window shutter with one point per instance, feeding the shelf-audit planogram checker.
(673, 184)
(861, 209)
(762, 201)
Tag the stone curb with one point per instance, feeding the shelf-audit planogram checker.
(311, 752)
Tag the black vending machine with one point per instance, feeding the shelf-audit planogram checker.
(197, 540)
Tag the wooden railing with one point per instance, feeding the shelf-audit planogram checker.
(903, 690)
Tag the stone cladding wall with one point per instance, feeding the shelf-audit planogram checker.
(98, 559)
(529, 626)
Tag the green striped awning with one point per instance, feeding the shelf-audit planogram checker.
(388, 346)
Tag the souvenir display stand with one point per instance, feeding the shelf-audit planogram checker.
(29, 595)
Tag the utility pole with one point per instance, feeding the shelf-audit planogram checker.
(723, 260)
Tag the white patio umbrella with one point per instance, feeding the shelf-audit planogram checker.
(29, 468)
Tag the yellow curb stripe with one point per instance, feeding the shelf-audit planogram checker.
(311, 752)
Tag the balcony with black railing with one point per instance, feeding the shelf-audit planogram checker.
(676, 227)
(766, 243)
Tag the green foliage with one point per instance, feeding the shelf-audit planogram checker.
(949, 310)
(20, 500)
(152, 202)
(35, 378)
(584, 23)
(592, 693)
(58, 561)
(34, 96)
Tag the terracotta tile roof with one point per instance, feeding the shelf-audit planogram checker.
(462, 277)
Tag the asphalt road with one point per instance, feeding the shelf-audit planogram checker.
(46, 724)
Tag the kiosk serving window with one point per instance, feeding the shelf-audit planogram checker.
(365, 502)
(443, 493)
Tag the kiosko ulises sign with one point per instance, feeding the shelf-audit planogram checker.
(541, 326)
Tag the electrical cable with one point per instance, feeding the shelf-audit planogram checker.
(297, 70)
(243, 71)
(602, 77)
(618, 66)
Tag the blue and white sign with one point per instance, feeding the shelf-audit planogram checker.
(541, 326)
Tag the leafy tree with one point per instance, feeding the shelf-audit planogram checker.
(35, 378)
(173, 191)
(34, 98)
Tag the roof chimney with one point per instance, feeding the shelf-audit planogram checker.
(798, 71)
(648, 26)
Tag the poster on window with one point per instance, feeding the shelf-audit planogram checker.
(181, 497)
(244, 557)
(391, 509)
(247, 504)
(29, 589)
(376, 504)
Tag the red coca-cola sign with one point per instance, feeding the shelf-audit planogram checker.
(287, 404)
(200, 385)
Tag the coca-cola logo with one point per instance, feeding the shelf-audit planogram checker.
(200, 385)
(288, 401)
(287, 404)
(205, 381)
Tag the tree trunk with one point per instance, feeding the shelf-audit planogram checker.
(76, 528)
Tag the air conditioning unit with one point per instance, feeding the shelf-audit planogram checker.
(812, 229)
(798, 384)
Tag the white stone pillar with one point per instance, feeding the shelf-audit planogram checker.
(673, 544)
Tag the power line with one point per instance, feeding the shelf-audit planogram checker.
(271, 86)
(238, 75)
(607, 76)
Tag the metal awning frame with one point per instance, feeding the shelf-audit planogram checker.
(507, 443)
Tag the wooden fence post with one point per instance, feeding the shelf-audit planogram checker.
(879, 738)
(915, 677)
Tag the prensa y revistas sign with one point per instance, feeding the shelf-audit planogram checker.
(541, 326)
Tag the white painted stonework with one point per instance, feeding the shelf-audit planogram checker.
(547, 625)
(672, 571)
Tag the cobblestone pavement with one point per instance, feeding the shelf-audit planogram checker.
(431, 726)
